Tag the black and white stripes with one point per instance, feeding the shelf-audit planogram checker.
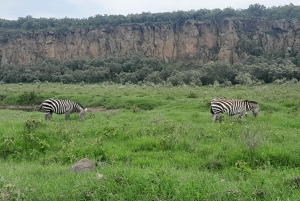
(232, 107)
(62, 107)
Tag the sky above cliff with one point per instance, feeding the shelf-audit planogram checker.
(12, 9)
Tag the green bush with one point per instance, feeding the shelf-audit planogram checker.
(28, 98)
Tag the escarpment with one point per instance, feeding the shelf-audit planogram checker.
(227, 40)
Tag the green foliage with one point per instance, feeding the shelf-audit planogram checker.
(178, 18)
(32, 124)
(73, 155)
(241, 167)
(28, 98)
(217, 71)
(157, 154)
(8, 147)
(252, 139)
(249, 46)
(143, 104)
(244, 79)
(294, 182)
(214, 49)
(256, 10)
(176, 79)
(137, 69)
(192, 95)
(9, 192)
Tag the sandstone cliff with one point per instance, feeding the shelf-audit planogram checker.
(202, 41)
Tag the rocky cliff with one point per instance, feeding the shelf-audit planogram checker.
(228, 40)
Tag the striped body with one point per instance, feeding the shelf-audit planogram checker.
(67, 107)
(232, 107)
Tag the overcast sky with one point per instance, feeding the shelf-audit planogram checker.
(12, 9)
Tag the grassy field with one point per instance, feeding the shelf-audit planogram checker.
(160, 143)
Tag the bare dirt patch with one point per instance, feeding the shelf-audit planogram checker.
(36, 108)
(20, 107)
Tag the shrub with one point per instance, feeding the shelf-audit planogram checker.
(7, 146)
(153, 77)
(192, 95)
(243, 78)
(27, 98)
(176, 79)
(252, 139)
(32, 124)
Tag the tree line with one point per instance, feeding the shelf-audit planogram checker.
(254, 11)
(137, 69)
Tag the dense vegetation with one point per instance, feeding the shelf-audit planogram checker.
(159, 143)
(255, 11)
(140, 70)
(259, 67)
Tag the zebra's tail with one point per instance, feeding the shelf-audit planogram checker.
(39, 109)
(211, 110)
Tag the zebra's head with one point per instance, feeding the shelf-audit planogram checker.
(82, 113)
(254, 106)
(81, 110)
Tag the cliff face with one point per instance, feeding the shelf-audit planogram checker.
(202, 41)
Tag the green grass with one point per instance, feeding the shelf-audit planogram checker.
(160, 142)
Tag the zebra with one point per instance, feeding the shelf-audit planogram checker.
(58, 106)
(232, 107)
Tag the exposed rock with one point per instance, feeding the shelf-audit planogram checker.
(100, 176)
(83, 165)
(202, 41)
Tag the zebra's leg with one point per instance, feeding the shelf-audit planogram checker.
(82, 114)
(216, 117)
(241, 114)
(254, 114)
(48, 116)
(67, 115)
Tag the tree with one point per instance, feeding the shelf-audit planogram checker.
(154, 77)
(217, 71)
(256, 10)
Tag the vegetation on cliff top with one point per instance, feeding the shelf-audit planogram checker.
(254, 11)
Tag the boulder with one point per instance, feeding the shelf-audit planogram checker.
(83, 165)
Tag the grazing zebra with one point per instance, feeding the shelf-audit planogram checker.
(62, 107)
(232, 107)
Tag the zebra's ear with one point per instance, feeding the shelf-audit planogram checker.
(85, 109)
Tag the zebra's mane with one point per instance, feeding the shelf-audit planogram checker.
(253, 102)
(80, 105)
(223, 99)
(233, 100)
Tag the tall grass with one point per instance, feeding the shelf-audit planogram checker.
(160, 143)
